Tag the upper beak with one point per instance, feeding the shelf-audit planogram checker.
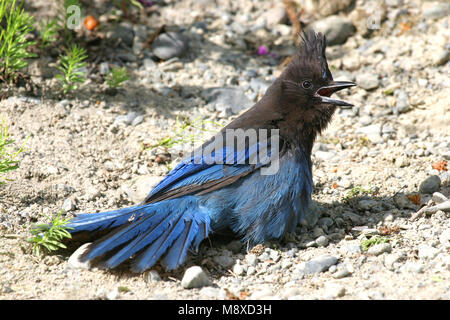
(325, 92)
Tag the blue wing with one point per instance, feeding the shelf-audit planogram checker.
(204, 172)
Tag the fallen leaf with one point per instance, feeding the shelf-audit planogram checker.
(258, 249)
(440, 165)
(244, 294)
(404, 26)
(335, 185)
(386, 230)
(230, 295)
(415, 198)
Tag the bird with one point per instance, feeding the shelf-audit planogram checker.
(257, 190)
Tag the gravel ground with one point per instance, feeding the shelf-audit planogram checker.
(374, 167)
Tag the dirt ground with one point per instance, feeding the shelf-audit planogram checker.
(88, 152)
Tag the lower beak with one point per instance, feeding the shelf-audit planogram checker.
(325, 92)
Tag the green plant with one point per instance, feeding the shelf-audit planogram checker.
(116, 77)
(15, 25)
(70, 66)
(8, 158)
(50, 236)
(187, 131)
(49, 32)
(68, 18)
(357, 191)
(367, 243)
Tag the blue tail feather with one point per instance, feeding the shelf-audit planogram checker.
(177, 253)
(146, 228)
(168, 227)
(151, 255)
(102, 220)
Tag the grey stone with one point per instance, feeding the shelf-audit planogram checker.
(149, 64)
(252, 259)
(69, 205)
(392, 258)
(441, 57)
(319, 264)
(334, 290)
(128, 119)
(427, 252)
(224, 261)
(341, 273)
(439, 198)
(373, 132)
(233, 98)
(239, 270)
(275, 15)
(195, 277)
(402, 102)
(337, 29)
(367, 205)
(126, 56)
(286, 264)
(367, 81)
(169, 45)
(124, 33)
(380, 248)
(74, 260)
(214, 293)
(251, 271)
(259, 85)
(351, 248)
(401, 161)
(317, 232)
(438, 11)
(239, 28)
(274, 255)
(353, 217)
(430, 184)
(137, 120)
(322, 241)
(414, 267)
(402, 201)
(325, 221)
(152, 276)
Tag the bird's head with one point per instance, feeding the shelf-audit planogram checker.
(307, 80)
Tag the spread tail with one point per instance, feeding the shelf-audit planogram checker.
(149, 231)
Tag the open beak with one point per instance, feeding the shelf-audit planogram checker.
(325, 92)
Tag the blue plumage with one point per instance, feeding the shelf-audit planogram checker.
(258, 207)
(230, 189)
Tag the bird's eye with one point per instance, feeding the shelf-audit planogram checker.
(306, 84)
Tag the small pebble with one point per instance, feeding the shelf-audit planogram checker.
(380, 248)
(195, 277)
(152, 276)
(322, 241)
(319, 264)
(430, 185)
(74, 259)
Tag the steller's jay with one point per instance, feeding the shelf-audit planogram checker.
(257, 193)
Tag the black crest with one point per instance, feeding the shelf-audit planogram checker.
(310, 58)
